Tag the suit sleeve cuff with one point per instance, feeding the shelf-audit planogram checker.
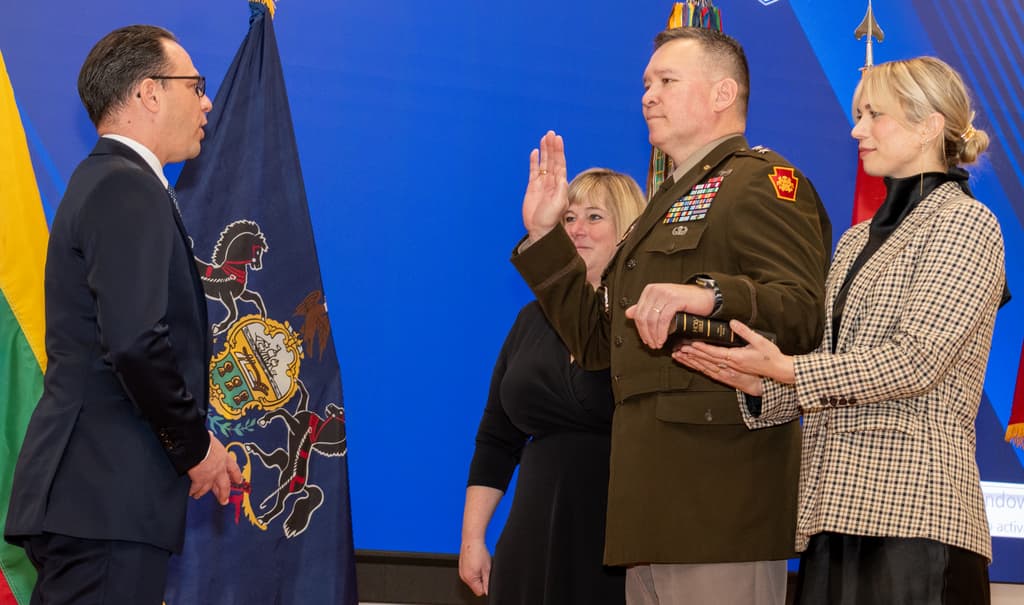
(185, 445)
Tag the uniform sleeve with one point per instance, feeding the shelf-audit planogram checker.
(955, 289)
(127, 238)
(781, 249)
(499, 444)
(557, 275)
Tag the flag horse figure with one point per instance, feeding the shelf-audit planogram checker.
(307, 433)
(240, 247)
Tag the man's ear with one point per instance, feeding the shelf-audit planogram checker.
(725, 92)
(148, 94)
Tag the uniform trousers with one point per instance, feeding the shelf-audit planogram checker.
(77, 571)
(749, 583)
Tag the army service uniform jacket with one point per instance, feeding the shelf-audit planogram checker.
(889, 438)
(689, 482)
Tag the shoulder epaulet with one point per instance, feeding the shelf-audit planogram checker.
(761, 152)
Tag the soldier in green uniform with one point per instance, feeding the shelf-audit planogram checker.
(700, 509)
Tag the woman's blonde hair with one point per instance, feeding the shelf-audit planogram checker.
(619, 192)
(920, 86)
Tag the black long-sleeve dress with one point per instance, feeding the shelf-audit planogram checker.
(552, 418)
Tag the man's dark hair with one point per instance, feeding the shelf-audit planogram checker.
(118, 62)
(721, 49)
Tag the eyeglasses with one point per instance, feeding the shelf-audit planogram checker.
(200, 82)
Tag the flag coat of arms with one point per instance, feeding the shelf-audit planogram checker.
(275, 385)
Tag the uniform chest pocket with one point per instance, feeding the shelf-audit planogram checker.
(709, 407)
(675, 237)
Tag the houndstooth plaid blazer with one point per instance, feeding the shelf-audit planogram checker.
(888, 435)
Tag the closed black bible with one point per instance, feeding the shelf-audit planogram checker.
(686, 326)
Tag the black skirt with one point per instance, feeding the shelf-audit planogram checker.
(840, 569)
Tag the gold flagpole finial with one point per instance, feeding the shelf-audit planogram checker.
(869, 27)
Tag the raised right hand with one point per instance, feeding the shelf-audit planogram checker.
(547, 191)
(475, 566)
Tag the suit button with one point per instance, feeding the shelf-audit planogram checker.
(618, 341)
(824, 400)
(631, 264)
(842, 401)
(852, 401)
(832, 401)
(708, 416)
(623, 302)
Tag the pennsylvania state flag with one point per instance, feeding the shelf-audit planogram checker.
(275, 386)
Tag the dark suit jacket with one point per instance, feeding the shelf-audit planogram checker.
(123, 411)
(689, 482)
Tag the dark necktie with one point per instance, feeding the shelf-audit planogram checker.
(174, 198)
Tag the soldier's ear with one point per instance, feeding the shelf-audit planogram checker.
(724, 93)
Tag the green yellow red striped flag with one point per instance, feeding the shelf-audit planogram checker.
(23, 235)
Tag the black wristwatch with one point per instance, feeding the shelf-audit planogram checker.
(705, 281)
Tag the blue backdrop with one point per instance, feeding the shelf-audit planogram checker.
(414, 122)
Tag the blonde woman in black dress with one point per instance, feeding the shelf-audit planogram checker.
(553, 419)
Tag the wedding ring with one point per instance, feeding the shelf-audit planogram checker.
(657, 310)
(543, 171)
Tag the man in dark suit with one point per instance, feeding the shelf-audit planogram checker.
(700, 509)
(118, 440)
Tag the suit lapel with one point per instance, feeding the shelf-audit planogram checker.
(106, 146)
(667, 195)
(884, 256)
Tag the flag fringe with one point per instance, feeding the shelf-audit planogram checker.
(1015, 434)
(270, 4)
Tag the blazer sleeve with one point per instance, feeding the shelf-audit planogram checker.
(956, 285)
(127, 233)
(499, 444)
(778, 405)
(782, 251)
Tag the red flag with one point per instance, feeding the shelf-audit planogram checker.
(6, 598)
(868, 195)
(1015, 430)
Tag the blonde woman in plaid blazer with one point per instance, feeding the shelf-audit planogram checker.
(891, 509)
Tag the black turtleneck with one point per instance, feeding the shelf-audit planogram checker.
(902, 196)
